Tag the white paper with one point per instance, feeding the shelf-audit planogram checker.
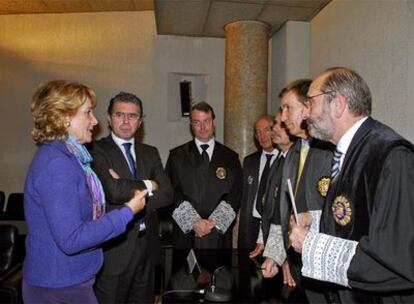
(292, 199)
(192, 261)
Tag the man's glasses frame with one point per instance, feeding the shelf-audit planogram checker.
(309, 99)
(198, 123)
(129, 116)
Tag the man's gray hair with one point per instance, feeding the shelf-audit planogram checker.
(350, 84)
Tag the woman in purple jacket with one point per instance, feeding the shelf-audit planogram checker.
(64, 200)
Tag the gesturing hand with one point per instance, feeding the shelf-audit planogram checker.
(137, 202)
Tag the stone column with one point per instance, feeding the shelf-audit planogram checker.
(245, 86)
(246, 66)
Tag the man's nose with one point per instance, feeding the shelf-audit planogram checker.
(306, 114)
(284, 116)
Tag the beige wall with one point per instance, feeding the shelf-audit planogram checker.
(376, 38)
(290, 48)
(108, 51)
(121, 51)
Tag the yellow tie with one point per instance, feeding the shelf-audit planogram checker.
(304, 149)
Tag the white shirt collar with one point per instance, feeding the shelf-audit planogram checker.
(274, 152)
(346, 139)
(120, 141)
(263, 157)
(210, 144)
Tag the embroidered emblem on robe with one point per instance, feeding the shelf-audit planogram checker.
(341, 210)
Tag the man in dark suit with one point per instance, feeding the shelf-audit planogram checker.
(307, 165)
(256, 167)
(207, 180)
(123, 165)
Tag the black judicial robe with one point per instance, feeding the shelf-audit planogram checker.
(271, 214)
(249, 226)
(204, 189)
(376, 189)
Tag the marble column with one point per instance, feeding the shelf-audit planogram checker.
(246, 65)
(245, 86)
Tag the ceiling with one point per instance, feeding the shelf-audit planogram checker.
(203, 18)
(206, 18)
(72, 6)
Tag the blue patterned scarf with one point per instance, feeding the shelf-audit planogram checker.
(94, 184)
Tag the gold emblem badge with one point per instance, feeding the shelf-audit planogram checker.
(221, 173)
(341, 210)
(323, 186)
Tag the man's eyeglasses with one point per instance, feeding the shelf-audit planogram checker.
(309, 99)
(129, 116)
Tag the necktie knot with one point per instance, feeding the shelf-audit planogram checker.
(127, 146)
(336, 163)
(268, 157)
(204, 147)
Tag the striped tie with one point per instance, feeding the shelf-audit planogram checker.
(335, 163)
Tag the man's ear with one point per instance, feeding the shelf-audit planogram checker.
(339, 105)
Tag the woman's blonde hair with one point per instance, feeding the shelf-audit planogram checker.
(52, 103)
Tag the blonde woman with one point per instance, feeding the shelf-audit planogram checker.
(64, 200)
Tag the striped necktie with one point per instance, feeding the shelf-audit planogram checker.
(336, 163)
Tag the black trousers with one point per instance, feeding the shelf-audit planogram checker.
(135, 284)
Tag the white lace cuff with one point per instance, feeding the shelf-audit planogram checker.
(260, 237)
(327, 258)
(275, 248)
(316, 219)
(223, 216)
(185, 216)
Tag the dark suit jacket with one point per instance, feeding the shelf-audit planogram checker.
(106, 154)
(204, 189)
(317, 166)
(248, 225)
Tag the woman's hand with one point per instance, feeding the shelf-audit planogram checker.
(137, 203)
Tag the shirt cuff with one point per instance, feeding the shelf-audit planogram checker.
(327, 258)
(222, 216)
(260, 237)
(185, 216)
(275, 248)
(316, 219)
(148, 185)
